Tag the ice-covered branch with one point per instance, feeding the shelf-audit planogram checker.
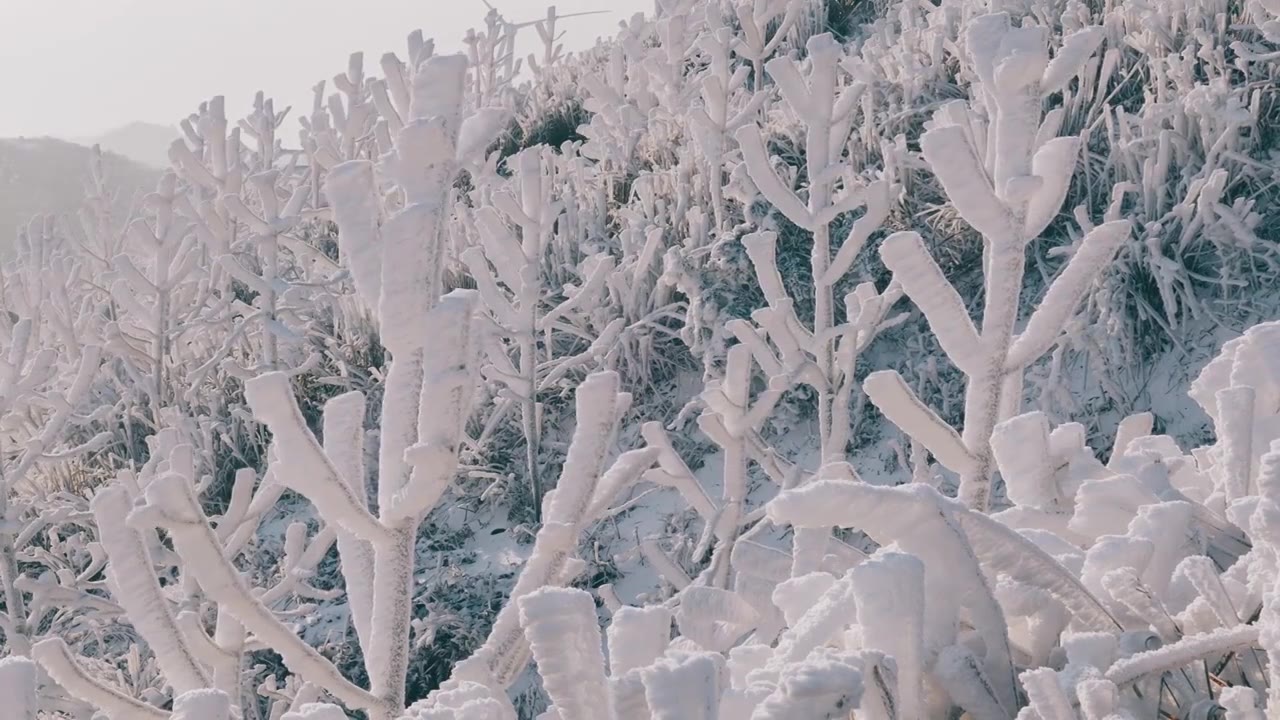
(304, 466)
(350, 188)
(1064, 294)
(560, 625)
(57, 660)
(891, 396)
(599, 404)
(1185, 651)
(905, 255)
(448, 381)
(139, 592)
(171, 506)
(344, 445)
(18, 683)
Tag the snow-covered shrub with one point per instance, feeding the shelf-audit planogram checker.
(38, 401)
(1007, 176)
(1101, 592)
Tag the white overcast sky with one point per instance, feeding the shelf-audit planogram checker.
(77, 68)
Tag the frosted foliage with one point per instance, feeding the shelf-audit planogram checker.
(722, 371)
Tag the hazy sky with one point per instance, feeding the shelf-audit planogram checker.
(76, 68)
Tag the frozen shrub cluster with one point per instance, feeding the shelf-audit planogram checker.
(236, 425)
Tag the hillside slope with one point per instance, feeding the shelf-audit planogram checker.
(48, 176)
(144, 143)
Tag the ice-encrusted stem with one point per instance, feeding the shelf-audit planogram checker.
(449, 377)
(637, 637)
(894, 398)
(821, 97)
(344, 445)
(138, 591)
(599, 406)
(1234, 472)
(266, 230)
(822, 355)
(446, 378)
(983, 400)
(168, 252)
(713, 120)
(755, 20)
(1186, 650)
(563, 634)
(349, 187)
(228, 663)
(685, 687)
(889, 589)
(18, 687)
(729, 420)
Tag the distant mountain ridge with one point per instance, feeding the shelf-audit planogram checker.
(48, 176)
(144, 143)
